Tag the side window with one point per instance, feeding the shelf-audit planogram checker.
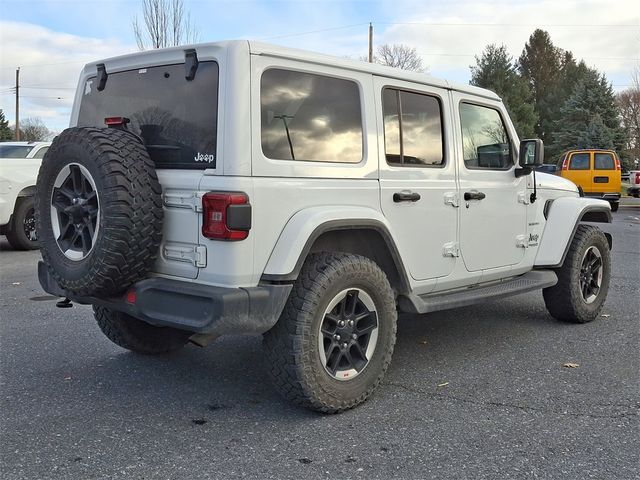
(603, 161)
(40, 153)
(310, 117)
(485, 141)
(579, 161)
(412, 128)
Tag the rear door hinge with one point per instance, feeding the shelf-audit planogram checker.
(450, 249)
(451, 198)
(196, 255)
(521, 241)
(191, 200)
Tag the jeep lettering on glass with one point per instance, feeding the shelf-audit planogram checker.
(485, 142)
(309, 117)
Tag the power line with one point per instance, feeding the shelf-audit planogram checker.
(528, 25)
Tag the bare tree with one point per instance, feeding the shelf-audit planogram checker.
(399, 56)
(33, 129)
(629, 107)
(166, 24)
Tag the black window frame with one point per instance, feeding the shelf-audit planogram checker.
(512, 148)
(398, 90)
(363, 136)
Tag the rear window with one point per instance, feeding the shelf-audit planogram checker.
(579, 161)
(604, 161)
(176, 118)
(15, 151)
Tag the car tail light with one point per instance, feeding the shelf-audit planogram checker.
(617, 160)
(565, 163)
(227, 216)
(116, 121)
(637, 180)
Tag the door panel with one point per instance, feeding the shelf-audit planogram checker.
(417, 175)
(493, 219)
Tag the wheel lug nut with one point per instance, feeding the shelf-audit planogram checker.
(341, 323)
(336, 337)
(351, 323)
(354, 336)
(344, 345)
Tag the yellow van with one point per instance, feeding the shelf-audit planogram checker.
(596, 172)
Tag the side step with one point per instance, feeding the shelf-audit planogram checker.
(534, 280)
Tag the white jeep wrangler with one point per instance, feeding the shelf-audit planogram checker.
(238, 187)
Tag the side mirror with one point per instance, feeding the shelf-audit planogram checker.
(531, 153)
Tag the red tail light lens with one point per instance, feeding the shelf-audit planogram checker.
(617, 160)
(565, 163)
(116, 121)
(227, 216)
(637, 180)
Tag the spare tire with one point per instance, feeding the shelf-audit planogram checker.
(98, 210)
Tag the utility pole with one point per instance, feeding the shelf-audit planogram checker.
(370, 43)
(17, 135)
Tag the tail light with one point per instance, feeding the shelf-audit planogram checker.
(637, 180)
(227, 216)
(617, 160)
(565, 163)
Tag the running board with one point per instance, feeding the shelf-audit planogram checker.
(534, 280)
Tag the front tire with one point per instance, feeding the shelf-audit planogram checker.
(138, 336)
(333, 342)
(22, 232)
(583, 279)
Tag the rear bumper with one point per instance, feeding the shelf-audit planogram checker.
(610, 197)
(189, 306)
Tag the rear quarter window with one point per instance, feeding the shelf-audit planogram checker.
(310, 117)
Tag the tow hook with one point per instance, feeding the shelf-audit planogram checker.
(65, 303)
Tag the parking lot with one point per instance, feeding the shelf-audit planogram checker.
(478, 392)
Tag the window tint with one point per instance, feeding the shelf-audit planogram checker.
(15, 151)
(604, 161)
(176, 118)
(40, 153)
(579, 161)
(485, 142)
(412, 128)
(310, 117)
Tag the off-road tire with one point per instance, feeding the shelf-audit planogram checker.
(291, 346)
(138, 336)
(565, 301)
(130, 210)
(16, 235)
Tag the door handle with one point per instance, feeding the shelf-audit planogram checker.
(474, 195)
(406, 197)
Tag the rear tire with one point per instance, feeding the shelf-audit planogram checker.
(138, 336)
(614, 206)
(333, 342)
(583, 279)
(22, 231)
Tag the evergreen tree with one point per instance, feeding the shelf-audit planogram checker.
(496, 70)
(540, 65)
(5, 131)
(589, 118)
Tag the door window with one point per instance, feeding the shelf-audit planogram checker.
(40, 153)
(579, 161)
(604, 161)
(485, 141)
(412, 129)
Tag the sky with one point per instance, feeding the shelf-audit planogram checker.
(50, 40)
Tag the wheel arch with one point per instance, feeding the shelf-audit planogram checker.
(564, 217)
(366, 234)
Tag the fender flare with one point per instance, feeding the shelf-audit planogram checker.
(564, 216)
(306, 226)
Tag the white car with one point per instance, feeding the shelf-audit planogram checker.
(19, 165)
(239, 187)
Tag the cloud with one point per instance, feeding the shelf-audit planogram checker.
(50, 63)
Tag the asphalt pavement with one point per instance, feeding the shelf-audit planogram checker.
(477, 392)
